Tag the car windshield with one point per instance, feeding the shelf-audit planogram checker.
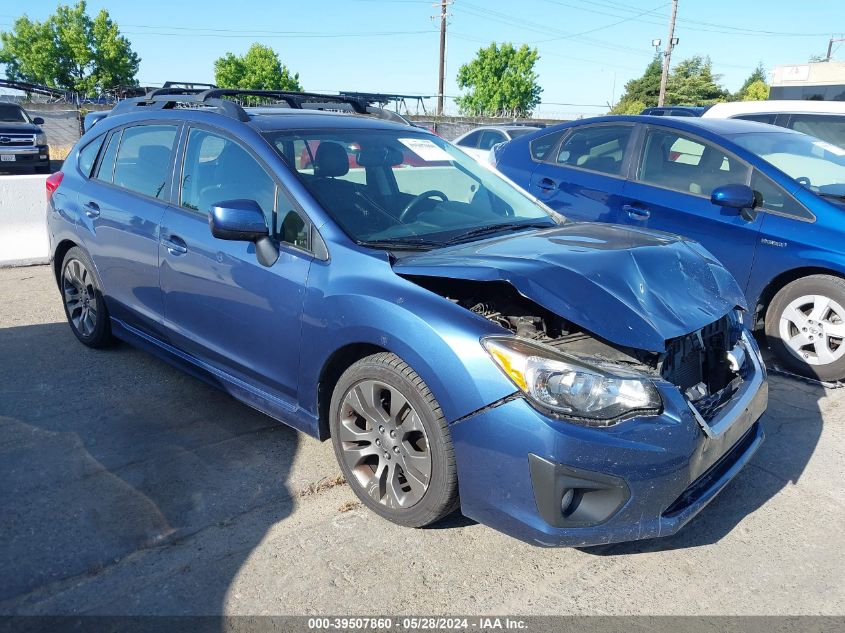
(405, 189)
(815, 164)
(12, 114)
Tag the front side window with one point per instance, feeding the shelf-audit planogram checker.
(217, 169)
(676, 161)
(759, 118)
(598, 148)
(403, 187)
(143, 159)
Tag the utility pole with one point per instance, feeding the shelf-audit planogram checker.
(442, 75)
(667, 54)
(830, 47)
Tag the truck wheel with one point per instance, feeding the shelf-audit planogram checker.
(805, 326)
(392, 442)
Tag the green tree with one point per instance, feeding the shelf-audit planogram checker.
(500, 81)
(758, 91)
(641, 92)
(70, 51)
(692, 82)
(757, 77)
(259, 69)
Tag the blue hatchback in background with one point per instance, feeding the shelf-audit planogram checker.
(366, 282)
(769, 203)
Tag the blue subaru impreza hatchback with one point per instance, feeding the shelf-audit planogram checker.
(461, 344)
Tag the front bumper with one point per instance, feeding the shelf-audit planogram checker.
(643, 478)
(38, 156)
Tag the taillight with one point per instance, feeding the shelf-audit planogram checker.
(53, 182)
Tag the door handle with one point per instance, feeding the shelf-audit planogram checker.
(547, 184)
(92, 209)
(175, 245)
(636, 213)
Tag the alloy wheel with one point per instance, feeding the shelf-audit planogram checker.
(80, 297)
(813, 328)
(384, 444)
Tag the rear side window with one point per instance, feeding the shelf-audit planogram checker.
(489, 138)
(88, 155)
(542, 147)
(598, 148)
(760, 118)
(471, 140)
(830, 128)
(143, 160)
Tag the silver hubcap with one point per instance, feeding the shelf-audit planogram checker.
(79, 296)
(384, 444)
(813, 328)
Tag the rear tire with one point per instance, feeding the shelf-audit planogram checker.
(805, 326)
(393, 443)
(82, 297)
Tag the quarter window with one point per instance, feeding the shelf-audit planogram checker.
(598, 148)
(143, 160)
(542, 147)
(675, 161)
(217, 169)
(771, 197)
(88, 155)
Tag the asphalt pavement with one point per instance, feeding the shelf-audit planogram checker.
(128, 487)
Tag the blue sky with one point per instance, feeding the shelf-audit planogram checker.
(588, 48)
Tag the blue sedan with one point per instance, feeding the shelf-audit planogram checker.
(769, 203)
(460, 344)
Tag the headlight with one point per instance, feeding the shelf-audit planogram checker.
(41, 138)
(593, 395)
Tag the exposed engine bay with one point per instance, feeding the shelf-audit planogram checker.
(704, 364)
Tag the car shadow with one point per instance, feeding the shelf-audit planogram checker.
(113, 455)
(793, 425)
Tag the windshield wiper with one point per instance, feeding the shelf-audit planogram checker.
(496, 228)
(401, 243)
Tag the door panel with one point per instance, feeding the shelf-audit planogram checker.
(584, 178)
(123, 219)
(228, 310)
(671, 192)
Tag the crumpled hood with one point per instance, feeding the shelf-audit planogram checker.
(631, 287)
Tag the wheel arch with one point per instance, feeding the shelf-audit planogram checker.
(59, 256)
(776, 284)
(340, 360)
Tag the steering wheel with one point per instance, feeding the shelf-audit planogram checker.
(405, 216)
(803, 180)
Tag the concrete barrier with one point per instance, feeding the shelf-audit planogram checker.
(23, 221)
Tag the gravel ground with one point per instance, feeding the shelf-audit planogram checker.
(127, 487)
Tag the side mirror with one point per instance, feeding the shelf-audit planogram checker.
(38, 120)
(243, 221)
(740, 197)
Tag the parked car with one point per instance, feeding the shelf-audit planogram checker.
(823, 119)
(675, 111)
(23, 143)
(767, 202)
(478, 142)
(570, 384)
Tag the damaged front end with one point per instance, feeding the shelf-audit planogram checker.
(569, 372)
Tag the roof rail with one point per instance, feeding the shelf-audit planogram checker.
(167, 101)
(167, 98)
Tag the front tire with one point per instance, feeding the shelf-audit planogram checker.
(805, 326)
(393, 443)
(82, 296)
